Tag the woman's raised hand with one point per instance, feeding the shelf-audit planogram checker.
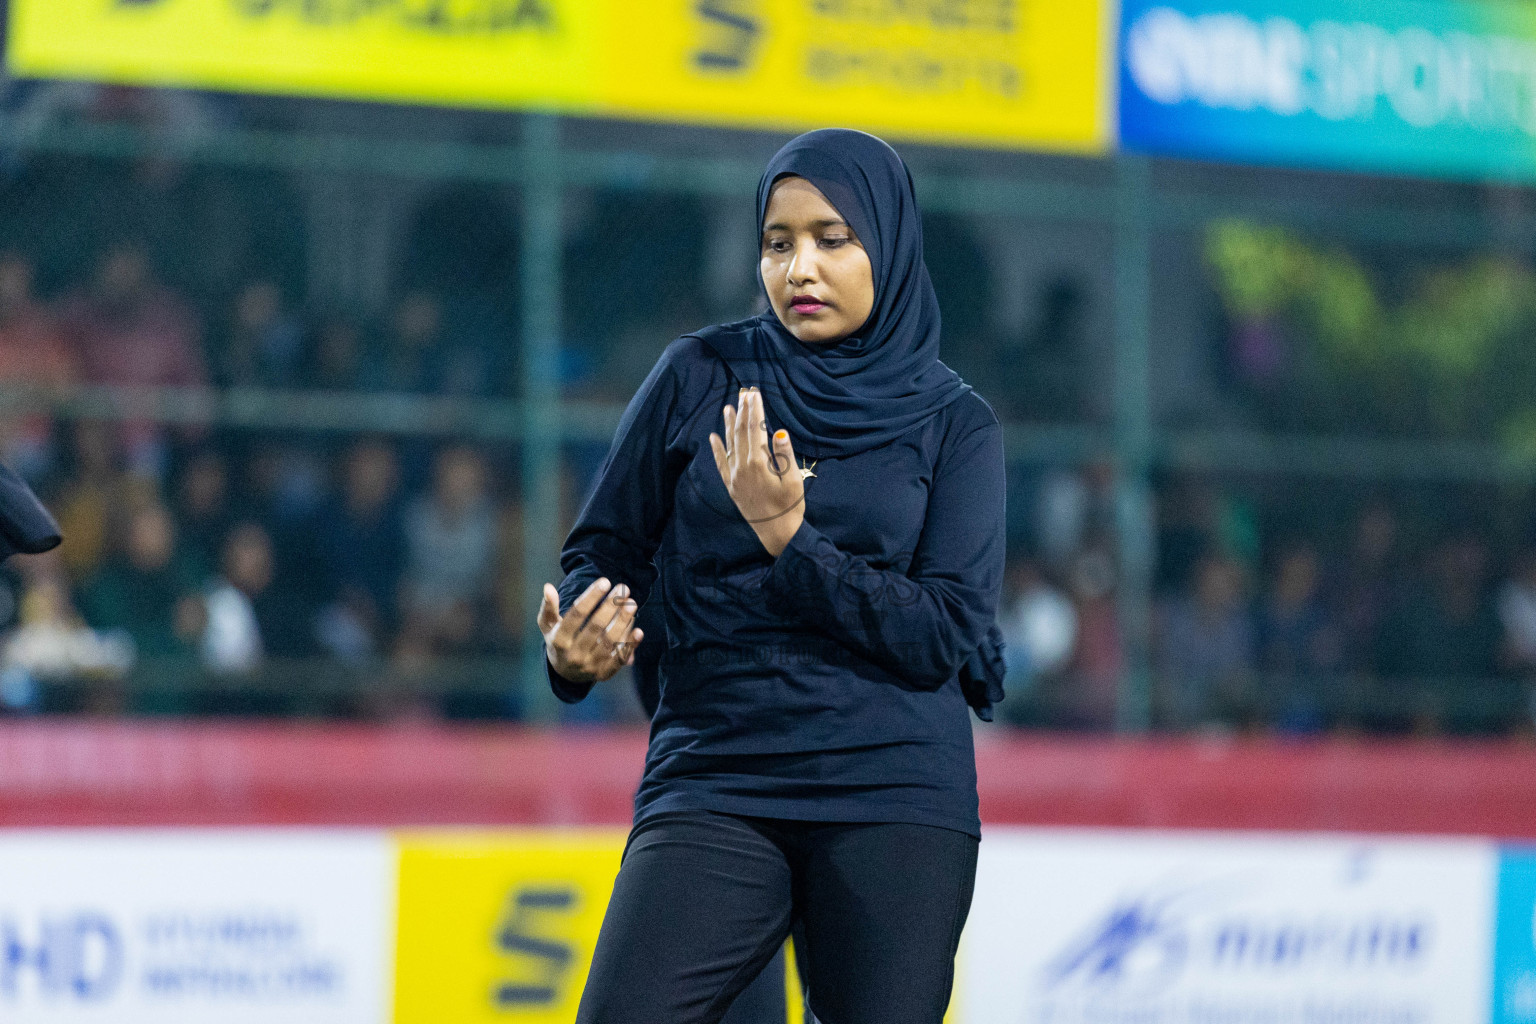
(760, 473)
(593, 639)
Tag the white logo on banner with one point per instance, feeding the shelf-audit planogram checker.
(1339, 71)
(161, 927)
(1103, 928)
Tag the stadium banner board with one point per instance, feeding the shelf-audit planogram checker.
(1004, 73)
(1433, 87)
(1514, 954)
(178, 927)
(333, 926)
(498, 926)
(1075, 927)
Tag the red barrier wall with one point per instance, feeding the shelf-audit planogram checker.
(79, 773)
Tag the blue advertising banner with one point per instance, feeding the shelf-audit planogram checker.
(1441, 87)
(1514, 946)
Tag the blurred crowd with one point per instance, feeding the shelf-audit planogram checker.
(222, 553)
(125, 328)
(1384, 618)
(232, 571)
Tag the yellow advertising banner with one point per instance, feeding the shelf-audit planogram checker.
(499, 926)
(1009, 73)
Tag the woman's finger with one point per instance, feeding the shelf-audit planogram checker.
(729, 437)
(549, 610)
(611, 654)
(757, 437)
(783, 453)
(718, 447)
(739, 436)
(635, 636)
(618, 627)
(569, 630)
(591, 638)
(744, 433)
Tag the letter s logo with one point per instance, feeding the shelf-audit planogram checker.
(551, 959)
(737, 32)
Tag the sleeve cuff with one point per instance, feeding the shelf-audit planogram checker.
(796, 568)
(566, 690)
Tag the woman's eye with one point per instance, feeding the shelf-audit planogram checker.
(833, 243)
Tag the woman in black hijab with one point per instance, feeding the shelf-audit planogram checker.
(816, 503)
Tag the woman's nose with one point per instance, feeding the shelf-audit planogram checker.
(802, 268)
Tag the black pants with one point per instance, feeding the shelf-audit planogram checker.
(703, 902)
(763, 1001)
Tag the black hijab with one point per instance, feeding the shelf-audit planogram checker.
(886, 378)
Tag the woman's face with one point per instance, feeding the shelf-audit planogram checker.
(815, 270)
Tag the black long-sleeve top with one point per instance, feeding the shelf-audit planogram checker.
(822, 684)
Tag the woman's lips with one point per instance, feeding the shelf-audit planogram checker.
(806, 307)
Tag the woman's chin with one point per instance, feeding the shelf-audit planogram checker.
(817, 334)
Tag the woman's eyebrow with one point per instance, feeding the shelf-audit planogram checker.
(832, 222)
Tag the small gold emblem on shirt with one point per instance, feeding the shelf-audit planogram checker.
(806, 472)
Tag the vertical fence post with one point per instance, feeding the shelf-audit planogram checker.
(1133, 440)
(540, 270)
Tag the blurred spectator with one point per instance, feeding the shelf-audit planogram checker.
(1296, 636)
(1206, 647)
(512, 622)
(232, 637)
(202, 507)
(1444, 628)
(450, 538)
(362, 547)
(1098, 663)
(34, 354)
(1365, 584)
(144, 590)
(131, 331)
(418, 358)
(1039, 627)
(1517, 615)
(473, 340)
(1198, 517)
(263, 343)
(286, 483)
(1073, 507)
(53, 645)
(1186, 531)
(93, 498)
(1297, 640)
(337, 358)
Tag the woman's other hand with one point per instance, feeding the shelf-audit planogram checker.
(593, 639)
(760, 475)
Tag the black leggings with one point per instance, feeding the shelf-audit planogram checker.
(703, 902)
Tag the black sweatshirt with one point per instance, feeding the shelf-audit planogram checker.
(821, 685)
